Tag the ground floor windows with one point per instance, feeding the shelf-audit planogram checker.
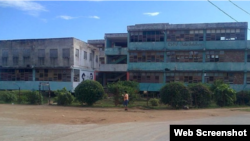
(76, 75)
(53, 75)
(16, 75)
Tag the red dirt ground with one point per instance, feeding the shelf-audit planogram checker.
(45, 114)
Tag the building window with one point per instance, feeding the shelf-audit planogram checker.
(185, 35)
(90, 56)
(186, 77)
(96, 59)
(248, 78)
(4, 61)
(77, 53)
(41, 60)
(53, 75)
(146, 77)
(15, 60)
(225, 34)
(53, 56)
(184, 56)
(215, 56)
(102, 60)
(76, 75)
(227, 77)
(16, 75)
(41, 56)
(26, 60)
(85, 55)
(66, 56)
(146, 57)
(147, 36)
(248, 56)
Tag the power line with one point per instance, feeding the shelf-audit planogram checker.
(239, 7)
(222, 11)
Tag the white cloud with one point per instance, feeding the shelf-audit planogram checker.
(152, 14)
(33, 8)
(65, 17)
(96, 0)
(94, 17)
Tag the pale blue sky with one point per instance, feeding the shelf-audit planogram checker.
(88, 20)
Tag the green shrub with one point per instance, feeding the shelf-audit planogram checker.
(89, 92)
(63, 97)
(118, 88)
(154, 102)
(243, 97)
(105, 96)
(216, 84)
(175, 94)
(34, 98)
(201, 95)
(224, 95)
(8, 97)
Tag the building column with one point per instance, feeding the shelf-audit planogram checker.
(95, 72)
(245, 78)
(203, 76)
(104, 79)
(127, 76)
(72, 75)
(33, 74)
(164, 77)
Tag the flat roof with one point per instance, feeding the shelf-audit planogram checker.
(167, 26)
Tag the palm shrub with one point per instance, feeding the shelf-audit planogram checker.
(33, 97)
(224, 95)
(89, 91)
(176, 95)
(201, 95)
(63, 97)
(243, 98)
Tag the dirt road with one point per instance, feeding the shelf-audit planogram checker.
(43, 122)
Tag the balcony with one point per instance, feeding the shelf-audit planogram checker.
(190, 66)
(113, 67)
(116, 51)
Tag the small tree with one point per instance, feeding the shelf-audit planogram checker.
(175, 94)
(118, 88)
(34, 97)
(154, 102)
(63, 97)
(224, 95)
(243, 98)
(201, 95)
(89, 92)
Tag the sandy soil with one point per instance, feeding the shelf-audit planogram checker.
(45, 114)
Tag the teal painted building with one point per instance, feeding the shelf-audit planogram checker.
(161, 53)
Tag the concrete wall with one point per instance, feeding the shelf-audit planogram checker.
(33, 85)
(85, 63)
(113, 67)
(33, 45)
(116, 51)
